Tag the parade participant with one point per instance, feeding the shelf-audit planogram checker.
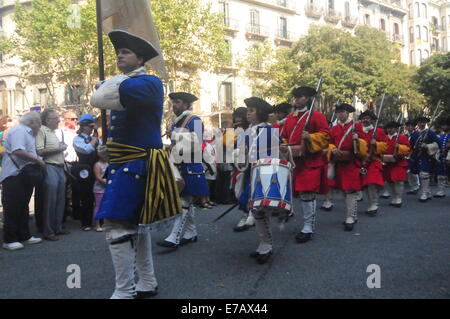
(394, 169)
(258, 140)
(281, 113)
(346, 152)
(310, 173)
(187, 137)
(240, 124)
(425, 145)
(85, 144)
(141, 188)
(442, 170)
(413, 179)
(372, 166)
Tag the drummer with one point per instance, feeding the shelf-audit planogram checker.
(257, 144)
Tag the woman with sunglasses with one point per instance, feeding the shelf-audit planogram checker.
(85, 144)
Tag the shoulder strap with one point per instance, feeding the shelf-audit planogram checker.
(186, 120)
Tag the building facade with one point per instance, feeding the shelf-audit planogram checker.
(418, 27)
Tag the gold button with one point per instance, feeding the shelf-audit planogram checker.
(125, 169)
(110, 182)
(112, 128)
(113, 171)
(137, 176)
(113, 117)
(110, 139)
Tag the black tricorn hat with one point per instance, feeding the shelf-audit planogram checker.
(186, 97)
(410, 122)
(392, 124)
(345, 107)
(368, 113)
(283, 108)
(124, 40)
(422, 119)
(304, 91)
(258, 103)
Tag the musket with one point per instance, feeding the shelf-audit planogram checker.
(398, 133)
(334, 113)
(355, 142)
(376, 125)
(305, 127)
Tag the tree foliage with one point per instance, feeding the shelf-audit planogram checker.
(362, 65)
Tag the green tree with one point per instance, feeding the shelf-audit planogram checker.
(433, 78)
(363, 64)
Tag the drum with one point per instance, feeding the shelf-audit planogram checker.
(271, 185)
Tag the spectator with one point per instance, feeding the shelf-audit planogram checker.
(209, 165)
(20, 152)
(52, 150)
(85, 145)
(100, 184)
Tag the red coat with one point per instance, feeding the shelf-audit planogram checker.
(375, 167)
(347, 173)
(396, 171)
(310, 173)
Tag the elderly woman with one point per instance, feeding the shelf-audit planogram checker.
(20, 152)
(52, 150)
(85, 144)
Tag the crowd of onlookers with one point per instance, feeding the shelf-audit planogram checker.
(57, 158)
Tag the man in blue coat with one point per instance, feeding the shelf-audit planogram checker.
(140, 188)
(186, 152)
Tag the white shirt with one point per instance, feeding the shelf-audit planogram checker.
(67, 136)
(19, 138)
(81, 146)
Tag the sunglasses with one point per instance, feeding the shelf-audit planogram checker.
(71, 118)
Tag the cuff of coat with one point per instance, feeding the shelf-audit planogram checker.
(319, 142)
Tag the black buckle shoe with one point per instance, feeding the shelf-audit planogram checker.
(414, 192)
(167, 244)
(348, 226)
(396, 205)
(263, 258)
(254, 254)
(302, 237)
(328, 209)
(185, 241)
(241, 228)
(372, 213)
(146, 294)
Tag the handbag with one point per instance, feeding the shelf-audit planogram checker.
(34, 174)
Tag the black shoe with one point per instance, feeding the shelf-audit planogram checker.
(439, 196)
(263, 258)
(396, 205)
(385, 196)
(254, 254)
(355, 222)
(185, 241)
(414, 192)
(372, 213)
(302, 237)
(241, 228)
(146, 294)
(327, 208)
(167, 244)
(348, 227)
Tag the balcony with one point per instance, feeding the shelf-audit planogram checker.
(435, 48)
(231, 26)
(313, 11)
(257, 32)
(332, 16)
(285, 38)
(398, 38)
(283, 5)
(349, 21)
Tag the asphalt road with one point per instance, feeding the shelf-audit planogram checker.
(411, 246)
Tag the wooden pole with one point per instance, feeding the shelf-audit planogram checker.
(101, 65)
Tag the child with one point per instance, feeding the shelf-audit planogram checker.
(100, 185)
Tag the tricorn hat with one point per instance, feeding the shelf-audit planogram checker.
(345, 107)
(283, 108)
(258, 103)
(392, 124)
(368, 113)
(186, 97)
(124, 40)
(304, 91)
(422, 119)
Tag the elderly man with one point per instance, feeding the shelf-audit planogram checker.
(52, 150)
(141, 188)
(20, 151)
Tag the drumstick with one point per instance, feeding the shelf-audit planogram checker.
(226, 212)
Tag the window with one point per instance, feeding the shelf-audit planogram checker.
(419, 52)
(417, 10)
(225, 11)
(418, 36)
(383, 24)
(411, 57)
(444, 24)
(434, 21)
(425, 34)
(74, 94)
(411, 35)
(254, 21)
(424, 11)
(410, 11)
(230, 57)
(282, 28)
(426, 54)
(331, 4)
(396, 29)
(347, 9)
(226, 95)
(40, 97)
(367, 19)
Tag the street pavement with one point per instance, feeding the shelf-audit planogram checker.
(411, 246)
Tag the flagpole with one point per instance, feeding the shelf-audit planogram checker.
(101, 64)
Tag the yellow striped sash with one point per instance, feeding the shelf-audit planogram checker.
(162, 199)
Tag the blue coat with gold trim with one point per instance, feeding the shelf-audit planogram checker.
(138, 125)
(193, 173)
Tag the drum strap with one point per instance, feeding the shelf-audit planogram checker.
(295, 127)
(343, 137)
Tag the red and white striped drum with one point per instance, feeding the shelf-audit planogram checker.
(271, 185)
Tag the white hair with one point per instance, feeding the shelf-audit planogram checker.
(29, 117)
